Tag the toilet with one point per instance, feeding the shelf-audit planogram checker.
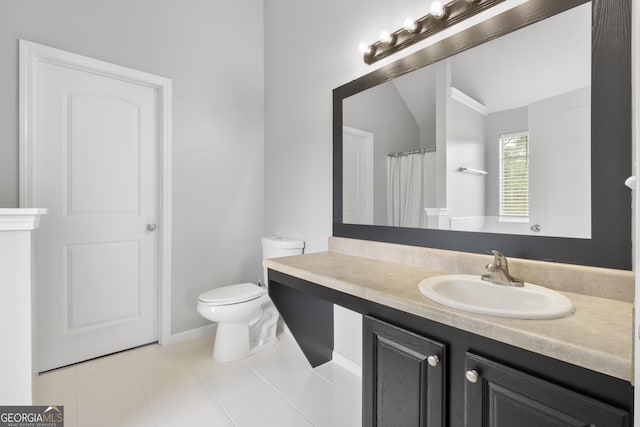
(246, 317)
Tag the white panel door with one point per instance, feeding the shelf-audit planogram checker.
(357, 176)
(96, 169)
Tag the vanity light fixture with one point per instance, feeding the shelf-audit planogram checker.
(411, 25)
(365, 49)
(442, 14)
(386, 37)
(438, 10)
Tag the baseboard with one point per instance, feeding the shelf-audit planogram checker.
(347, 364)
(193, 333)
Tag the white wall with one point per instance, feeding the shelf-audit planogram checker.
(465, 148)
(213, 52)
(310, 49)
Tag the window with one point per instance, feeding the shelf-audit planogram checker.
(514, 175)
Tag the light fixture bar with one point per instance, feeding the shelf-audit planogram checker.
(426, 26)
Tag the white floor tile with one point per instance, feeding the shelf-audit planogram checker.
(290, 418)
(196, 354)
(252, 408)
(229, 379)
(181, 385)
(59, 388)
(299, 384)
(179, 399)
(343, 379)
(277, 359)
(110, 398)
(329, 409)
(317, 399)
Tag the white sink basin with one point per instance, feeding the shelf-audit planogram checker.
(470, 293)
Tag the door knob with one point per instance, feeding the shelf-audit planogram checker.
(472, 376)
(151, 227)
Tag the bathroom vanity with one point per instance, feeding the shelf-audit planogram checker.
(429, 365)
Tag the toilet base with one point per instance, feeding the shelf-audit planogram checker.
(237, 340)
(232, 341)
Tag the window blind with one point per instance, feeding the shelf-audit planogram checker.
(514, 174)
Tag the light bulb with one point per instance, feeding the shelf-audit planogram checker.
(437, 9)
(365, 48)
(385, 37)
(410, 25)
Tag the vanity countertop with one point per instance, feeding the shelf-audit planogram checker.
(598, 336)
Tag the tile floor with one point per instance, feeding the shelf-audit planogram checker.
(180, 385)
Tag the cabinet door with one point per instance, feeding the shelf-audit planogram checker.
(498, 396)
(403, 378)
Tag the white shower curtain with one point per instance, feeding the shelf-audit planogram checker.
(410, 188)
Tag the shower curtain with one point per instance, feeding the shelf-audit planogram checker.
(410, 188)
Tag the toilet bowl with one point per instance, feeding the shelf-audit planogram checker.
(235, 308)
(246, 317)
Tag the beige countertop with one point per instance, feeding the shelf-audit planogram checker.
(598, 336)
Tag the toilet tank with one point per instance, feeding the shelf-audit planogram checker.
(276, 246)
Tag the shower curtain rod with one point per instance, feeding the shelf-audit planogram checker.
(406, 153)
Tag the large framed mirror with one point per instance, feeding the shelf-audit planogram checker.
(514, 134)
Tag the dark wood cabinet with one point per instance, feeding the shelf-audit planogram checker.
(499, 396)
(403, 385)
(405, 378)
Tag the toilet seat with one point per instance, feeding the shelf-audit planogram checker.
(232, 294)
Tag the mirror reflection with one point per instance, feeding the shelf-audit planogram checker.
(494, 139)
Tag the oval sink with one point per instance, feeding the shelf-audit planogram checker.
(470, 293)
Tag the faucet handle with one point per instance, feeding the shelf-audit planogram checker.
(499, 259)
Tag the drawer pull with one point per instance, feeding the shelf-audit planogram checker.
(472, 376)
(433, 360)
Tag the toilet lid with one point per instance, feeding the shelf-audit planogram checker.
(232, 294)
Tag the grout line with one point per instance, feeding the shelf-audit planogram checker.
(200, 380)
(280, 394)
(216, 400)
(146, 398)
(76, 409)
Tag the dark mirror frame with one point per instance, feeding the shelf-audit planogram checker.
(610, 243)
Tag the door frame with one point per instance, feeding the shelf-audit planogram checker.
(31, 55)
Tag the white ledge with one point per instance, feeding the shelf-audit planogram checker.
(14, 219)
(465, 99)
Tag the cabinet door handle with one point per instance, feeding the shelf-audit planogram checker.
(433, 360)
(472, 376)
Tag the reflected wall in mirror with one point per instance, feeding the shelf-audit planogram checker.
(493, 139)
(516, 153)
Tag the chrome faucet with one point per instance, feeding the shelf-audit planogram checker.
(498, 272)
